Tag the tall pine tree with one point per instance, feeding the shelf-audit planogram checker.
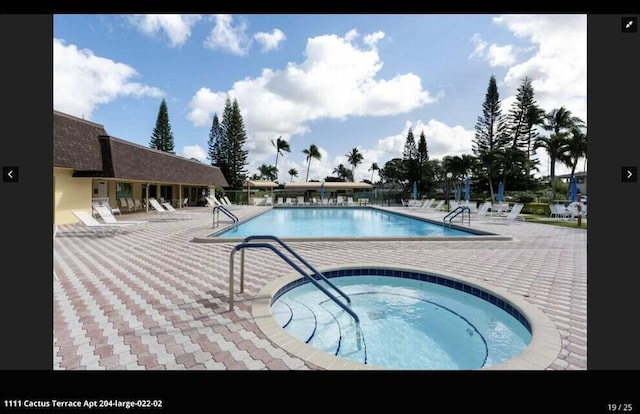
(490, 136)
(235, 137)
(162, 137)
(216, 142)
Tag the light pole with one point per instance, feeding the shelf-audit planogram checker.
(449, 175)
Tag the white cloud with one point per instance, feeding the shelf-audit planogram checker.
(372, 39)
(442, 140)
(177, 27)
(204, 104)
(226, 36)
(351, 35)
(270, 41)
(195, 151)
(82, 81)
(558, 67)
(492, 53)
(337, 80)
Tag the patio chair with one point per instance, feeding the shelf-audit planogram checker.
(180, 214)
(163, 212)
(107, 217)
(124, 206)
(185, 202)
(483, 209)
(509, 218)
(96, 227)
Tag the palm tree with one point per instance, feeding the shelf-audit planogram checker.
(293, 173)
(576, 149)
(374, 167)
(343, 173)
(281, 145)
(560, 119)
(556, 147)
(268, 172)
(355, 158)
(311, 152)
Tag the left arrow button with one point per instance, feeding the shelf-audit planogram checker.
(10, 174)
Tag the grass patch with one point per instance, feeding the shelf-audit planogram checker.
(556, 222)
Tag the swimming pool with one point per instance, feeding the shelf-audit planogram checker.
(338, 222)
(409, 320)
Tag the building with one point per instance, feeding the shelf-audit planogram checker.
(581, 180)
(89, 164)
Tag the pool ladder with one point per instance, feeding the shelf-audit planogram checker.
(216, 213)
(453, 214)
(247, 245)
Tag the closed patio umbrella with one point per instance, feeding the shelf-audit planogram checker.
(500, 192)
(415, 190)
(467, 189)
(573, 190)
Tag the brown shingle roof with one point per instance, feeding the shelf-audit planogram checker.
(75, 143)
(135, 162)
(86, 147)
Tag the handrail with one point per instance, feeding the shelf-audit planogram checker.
(229, 214)
(297, 256)
(453, 214)
(290, 263)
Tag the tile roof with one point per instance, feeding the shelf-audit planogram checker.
(87, 148)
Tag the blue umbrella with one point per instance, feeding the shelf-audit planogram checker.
(500, 192)
(573, 190)
(467, 189)
(457, 193)
(415, 190)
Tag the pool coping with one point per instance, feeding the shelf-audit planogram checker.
(481, 236)
(543, 349)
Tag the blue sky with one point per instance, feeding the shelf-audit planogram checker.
(337, 81)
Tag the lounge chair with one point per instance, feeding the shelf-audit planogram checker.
(107, 217)
(213, 201)
(280, 201)
(95, 226)
(163, 212)
(123, 204)
(229, 205)
(180, 214)
(289, 201)
(509, 218)
(483, 209)
(268, 201)
(432, 209)
(185, 202)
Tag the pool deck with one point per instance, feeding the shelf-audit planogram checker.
(153, 299)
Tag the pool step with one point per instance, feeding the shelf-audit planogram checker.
(296, 318)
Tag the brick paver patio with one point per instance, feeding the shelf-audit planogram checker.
(152, 299)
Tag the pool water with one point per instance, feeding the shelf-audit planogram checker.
(405, 324)
(337, 222)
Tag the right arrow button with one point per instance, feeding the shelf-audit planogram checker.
(629, 174)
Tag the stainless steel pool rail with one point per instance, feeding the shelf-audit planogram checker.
(246, 244)
(216, 213)
(453, 214)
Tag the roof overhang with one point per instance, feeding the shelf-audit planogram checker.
(328, 185)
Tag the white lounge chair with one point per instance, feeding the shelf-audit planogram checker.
(99, 228)
(157, 207)
(181, 214)
(107, 217)
(509, 218)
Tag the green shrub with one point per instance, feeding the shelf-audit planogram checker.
(539, 209)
